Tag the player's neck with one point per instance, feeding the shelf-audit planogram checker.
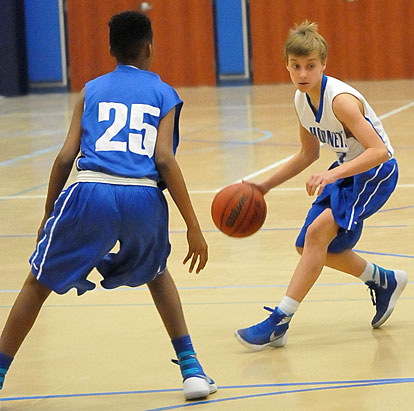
(140, 62)
(315, 94)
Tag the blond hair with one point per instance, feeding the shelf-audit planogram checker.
(305, 38)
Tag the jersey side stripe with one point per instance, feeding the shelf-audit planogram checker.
(379, 135)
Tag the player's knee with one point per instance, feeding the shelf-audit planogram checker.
(299, 250)
(319, 234)
(313, 232)
(41, 291)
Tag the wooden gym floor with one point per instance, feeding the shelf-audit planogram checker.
(109, 350)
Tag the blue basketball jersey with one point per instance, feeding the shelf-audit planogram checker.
(120, 121)
(355, 198)
(325, 126)
(115, 199)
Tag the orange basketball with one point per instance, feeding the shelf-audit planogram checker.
(239, 210)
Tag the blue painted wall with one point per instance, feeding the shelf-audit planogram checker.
(229, 36)
(43, 41)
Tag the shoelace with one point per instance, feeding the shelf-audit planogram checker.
(264, 324)
(372, 286)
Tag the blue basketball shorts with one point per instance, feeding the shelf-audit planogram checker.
(352, 200)
(87, 221)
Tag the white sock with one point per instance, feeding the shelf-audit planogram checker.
(367, 274)
(288, 305)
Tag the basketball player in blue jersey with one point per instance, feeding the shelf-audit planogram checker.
(125, 126)
(356, 186)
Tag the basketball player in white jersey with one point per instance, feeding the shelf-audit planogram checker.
(356, 186)
(125, 126)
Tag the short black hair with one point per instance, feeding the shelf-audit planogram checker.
(129, 32)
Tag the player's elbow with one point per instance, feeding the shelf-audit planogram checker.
(315, 156)
(312, 156)
(307, 157)
(163, 162)
(383, 154)
(64, 162)
(380, 154)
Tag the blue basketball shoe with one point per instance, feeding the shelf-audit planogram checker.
(196, 383)
(270, 332)
(385, 291)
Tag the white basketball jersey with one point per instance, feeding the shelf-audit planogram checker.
(324, 125)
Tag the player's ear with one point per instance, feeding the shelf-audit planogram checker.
(287, 63)
(111, 52)
(150, 50)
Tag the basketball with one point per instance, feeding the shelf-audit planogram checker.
(239, 210)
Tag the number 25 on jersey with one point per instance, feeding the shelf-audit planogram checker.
(142, 141)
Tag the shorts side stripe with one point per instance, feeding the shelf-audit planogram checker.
(359, 195)
(38, 247)
(384, 179)
(52, 230)
(43, 239)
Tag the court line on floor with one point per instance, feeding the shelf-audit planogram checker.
(394, 209)
(397, 110)
(385, 254)
(57, 146)
(204, 303)
(330, 385)
(19, 196)
(215, 230)
(211, 287)
(266, 136)
(260, 395)
(30, 155)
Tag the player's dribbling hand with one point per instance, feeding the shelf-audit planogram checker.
(259, 186)
(197, 250)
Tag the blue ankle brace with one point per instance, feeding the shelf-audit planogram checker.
(5, 362)
(186, 356)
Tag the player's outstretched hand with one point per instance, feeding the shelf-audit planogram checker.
(197, 250)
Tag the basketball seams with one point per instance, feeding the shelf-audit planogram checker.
(242, 217)
(239, 210)
(225, 215)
